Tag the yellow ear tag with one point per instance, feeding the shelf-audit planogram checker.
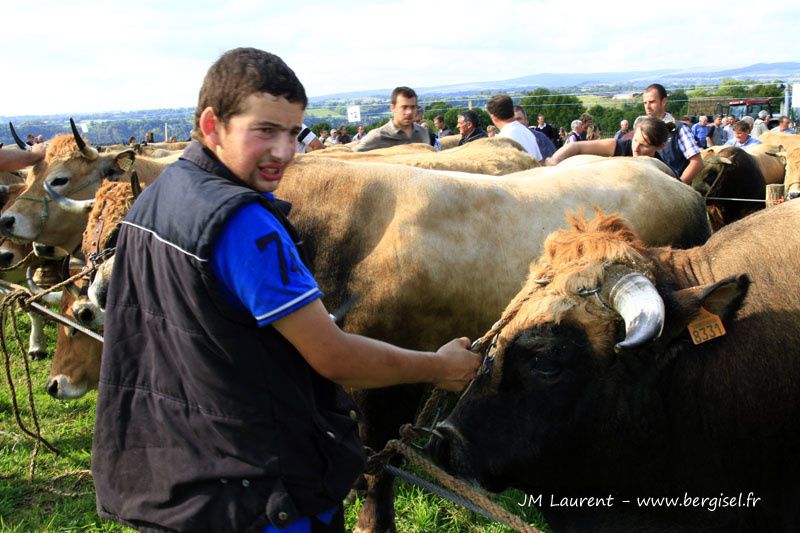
(705, 327)
(125, 163)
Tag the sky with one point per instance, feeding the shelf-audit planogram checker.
(84, 56)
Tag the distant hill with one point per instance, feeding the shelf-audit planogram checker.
(788, 71)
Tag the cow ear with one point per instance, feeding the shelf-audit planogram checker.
(123, 162)
(723, 298)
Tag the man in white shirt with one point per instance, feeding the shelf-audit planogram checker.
(501, 110)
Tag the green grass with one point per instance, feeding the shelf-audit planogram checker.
(27, 506)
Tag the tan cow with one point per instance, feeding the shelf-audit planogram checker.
(787, 140)
(72, 169)
(433, 254)
(495, 157)
(792, 181)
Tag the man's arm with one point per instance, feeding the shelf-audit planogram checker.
(360, 362)
(692, 169)
(11, 160)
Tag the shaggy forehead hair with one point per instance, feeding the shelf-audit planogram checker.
(60, 148)
(573, 260)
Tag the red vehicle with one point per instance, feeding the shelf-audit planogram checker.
(749, 107)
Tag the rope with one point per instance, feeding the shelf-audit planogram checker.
(493, 510)
(467, 495)
(9, 303)
(17, 264)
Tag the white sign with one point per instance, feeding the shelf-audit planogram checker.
(354, 113)
(84, 127)
(796, 95)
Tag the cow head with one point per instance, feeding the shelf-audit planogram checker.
(792, 179)
(71, 169)
(574, 398)
(76, 362)
(730, 173)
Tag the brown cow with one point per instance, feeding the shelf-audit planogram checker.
(728, 178)
(75, 170)
(76, 360)
(598, 386)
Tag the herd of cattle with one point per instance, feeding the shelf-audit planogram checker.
(596, 387)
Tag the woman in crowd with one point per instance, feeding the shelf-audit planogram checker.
(649, 136)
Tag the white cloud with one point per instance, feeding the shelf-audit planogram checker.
(93, 56)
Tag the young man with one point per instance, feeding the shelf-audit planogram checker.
(401, 129)
(681, 151)
(546, 128)
(441, 128)
(501, 110)
(220, 404)
(741, 135)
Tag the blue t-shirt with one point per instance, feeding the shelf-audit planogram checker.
(258, 266)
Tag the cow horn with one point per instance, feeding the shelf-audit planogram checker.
(136, 187)
(22, 145)
(68, 204)
(87, 152)
(51, 298)
(725, 161)
(636, 299)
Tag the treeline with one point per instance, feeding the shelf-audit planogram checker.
(105, 131)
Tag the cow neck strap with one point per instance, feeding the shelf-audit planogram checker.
(45, 214)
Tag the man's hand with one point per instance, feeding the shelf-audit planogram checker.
(461, 365)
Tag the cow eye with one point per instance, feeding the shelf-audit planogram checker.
(58, 182)
(545, 368)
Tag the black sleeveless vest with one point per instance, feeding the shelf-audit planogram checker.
(206, 422)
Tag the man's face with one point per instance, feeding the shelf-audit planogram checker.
(259, 142)
(653, 105)
(519, 117)
(784, 125)
(703, 120)
(439, 124)
(623, 125)
(404, 111)
(717, 121)
(741, 135)
(540, 120)
(361, 130)
(465, 127)
(642, 146)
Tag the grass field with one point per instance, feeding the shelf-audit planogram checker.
(28, 506)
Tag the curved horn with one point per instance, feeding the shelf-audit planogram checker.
(22, 145)
(51, 298)
(68, 204)
(636, 299)
(87, 152)
(136, 187)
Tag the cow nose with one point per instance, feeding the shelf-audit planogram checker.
(52, 387)
(792, 195)
(439, 447)
(5, 259)
(7, 223)
(85, 315)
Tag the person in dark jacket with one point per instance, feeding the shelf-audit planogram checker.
(220, 405)
(469, 125)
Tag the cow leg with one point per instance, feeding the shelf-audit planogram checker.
(384, 410)
(37, 344)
